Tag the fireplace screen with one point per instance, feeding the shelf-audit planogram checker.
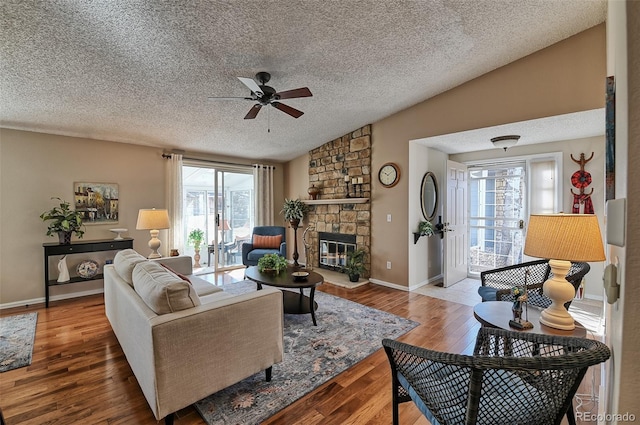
(333, 249)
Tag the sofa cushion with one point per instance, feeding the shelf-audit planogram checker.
(256, 254)
(273, 242)
(124, 263)
(161, 290)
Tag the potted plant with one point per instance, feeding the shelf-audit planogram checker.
(294, 210)
(425, 228)
(272, 263)
(354, 266)
(64, 222)
(196, 236)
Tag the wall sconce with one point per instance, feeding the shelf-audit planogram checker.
(505, 142)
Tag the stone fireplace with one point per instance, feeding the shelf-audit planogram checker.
(333, 249)
(336, 210)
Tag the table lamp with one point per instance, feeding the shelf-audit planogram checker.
(563, 238)
(153, 220)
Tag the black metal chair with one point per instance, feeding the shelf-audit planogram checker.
(497, 283)
(512, 378)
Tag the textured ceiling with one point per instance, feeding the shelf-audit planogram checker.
(142, 71)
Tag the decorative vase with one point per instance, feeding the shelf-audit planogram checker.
(354, 277)
(313, 192)
(64, 238)
(517, 310)
(196, 258)
(63, 270)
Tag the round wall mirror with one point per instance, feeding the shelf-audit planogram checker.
(429, 195)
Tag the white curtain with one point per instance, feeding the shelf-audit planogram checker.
(263, 181)
(173, 195)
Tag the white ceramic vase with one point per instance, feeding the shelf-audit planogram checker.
(63, 270)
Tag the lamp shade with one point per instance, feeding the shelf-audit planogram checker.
(570, 237)
(152, 219)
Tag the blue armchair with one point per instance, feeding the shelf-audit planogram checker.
(251, 255)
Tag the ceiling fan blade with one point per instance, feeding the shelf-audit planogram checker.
(253, 111)
(290, 94)
(229, 98)
(252, 85)
(287, 109)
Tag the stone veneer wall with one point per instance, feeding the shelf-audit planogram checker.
(349, 155)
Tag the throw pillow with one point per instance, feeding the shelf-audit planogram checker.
(181, 276)
(267, 242)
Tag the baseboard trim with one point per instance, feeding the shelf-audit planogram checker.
(41, 300)
(388, 284)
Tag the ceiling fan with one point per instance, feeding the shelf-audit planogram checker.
(266, 95)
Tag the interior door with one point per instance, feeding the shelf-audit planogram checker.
(456, 248)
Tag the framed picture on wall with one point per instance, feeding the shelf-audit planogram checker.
(98, 202)
(610, 140)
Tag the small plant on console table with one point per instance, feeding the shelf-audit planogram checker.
(272, 263)
(354, 266)
(64, 222)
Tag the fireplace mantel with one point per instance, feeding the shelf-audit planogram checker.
(335, 201)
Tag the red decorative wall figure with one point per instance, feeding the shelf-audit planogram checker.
(580, 180)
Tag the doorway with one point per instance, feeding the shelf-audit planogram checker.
(497, 209)
(220, 203)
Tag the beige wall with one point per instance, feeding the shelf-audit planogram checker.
(294, 187)
(564, 78)
(35, 167)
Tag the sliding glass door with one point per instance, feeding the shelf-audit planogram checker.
(220, 203)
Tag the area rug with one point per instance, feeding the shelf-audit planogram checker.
(347, 332)
(16, 340)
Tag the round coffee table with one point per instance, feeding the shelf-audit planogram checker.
(496, 314)
(294, 303)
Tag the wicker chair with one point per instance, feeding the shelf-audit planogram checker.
(497, 284)
(512, 378)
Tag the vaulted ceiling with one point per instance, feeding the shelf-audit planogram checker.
(142, 71)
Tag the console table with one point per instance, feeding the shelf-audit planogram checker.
(78, 247)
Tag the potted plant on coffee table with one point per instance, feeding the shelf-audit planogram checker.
(354, 265)
(272, 263)
(196, 237)
(63, 221)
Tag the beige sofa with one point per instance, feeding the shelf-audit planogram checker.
(185, 341)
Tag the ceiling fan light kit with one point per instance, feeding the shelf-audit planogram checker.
(505, 142)
(266, 95)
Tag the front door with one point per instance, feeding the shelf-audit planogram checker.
(455, 213)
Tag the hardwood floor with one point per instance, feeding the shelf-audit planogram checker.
(80, 375)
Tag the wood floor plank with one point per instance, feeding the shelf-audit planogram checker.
(79, 373)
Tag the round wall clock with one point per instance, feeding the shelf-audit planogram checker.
(389, 174)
